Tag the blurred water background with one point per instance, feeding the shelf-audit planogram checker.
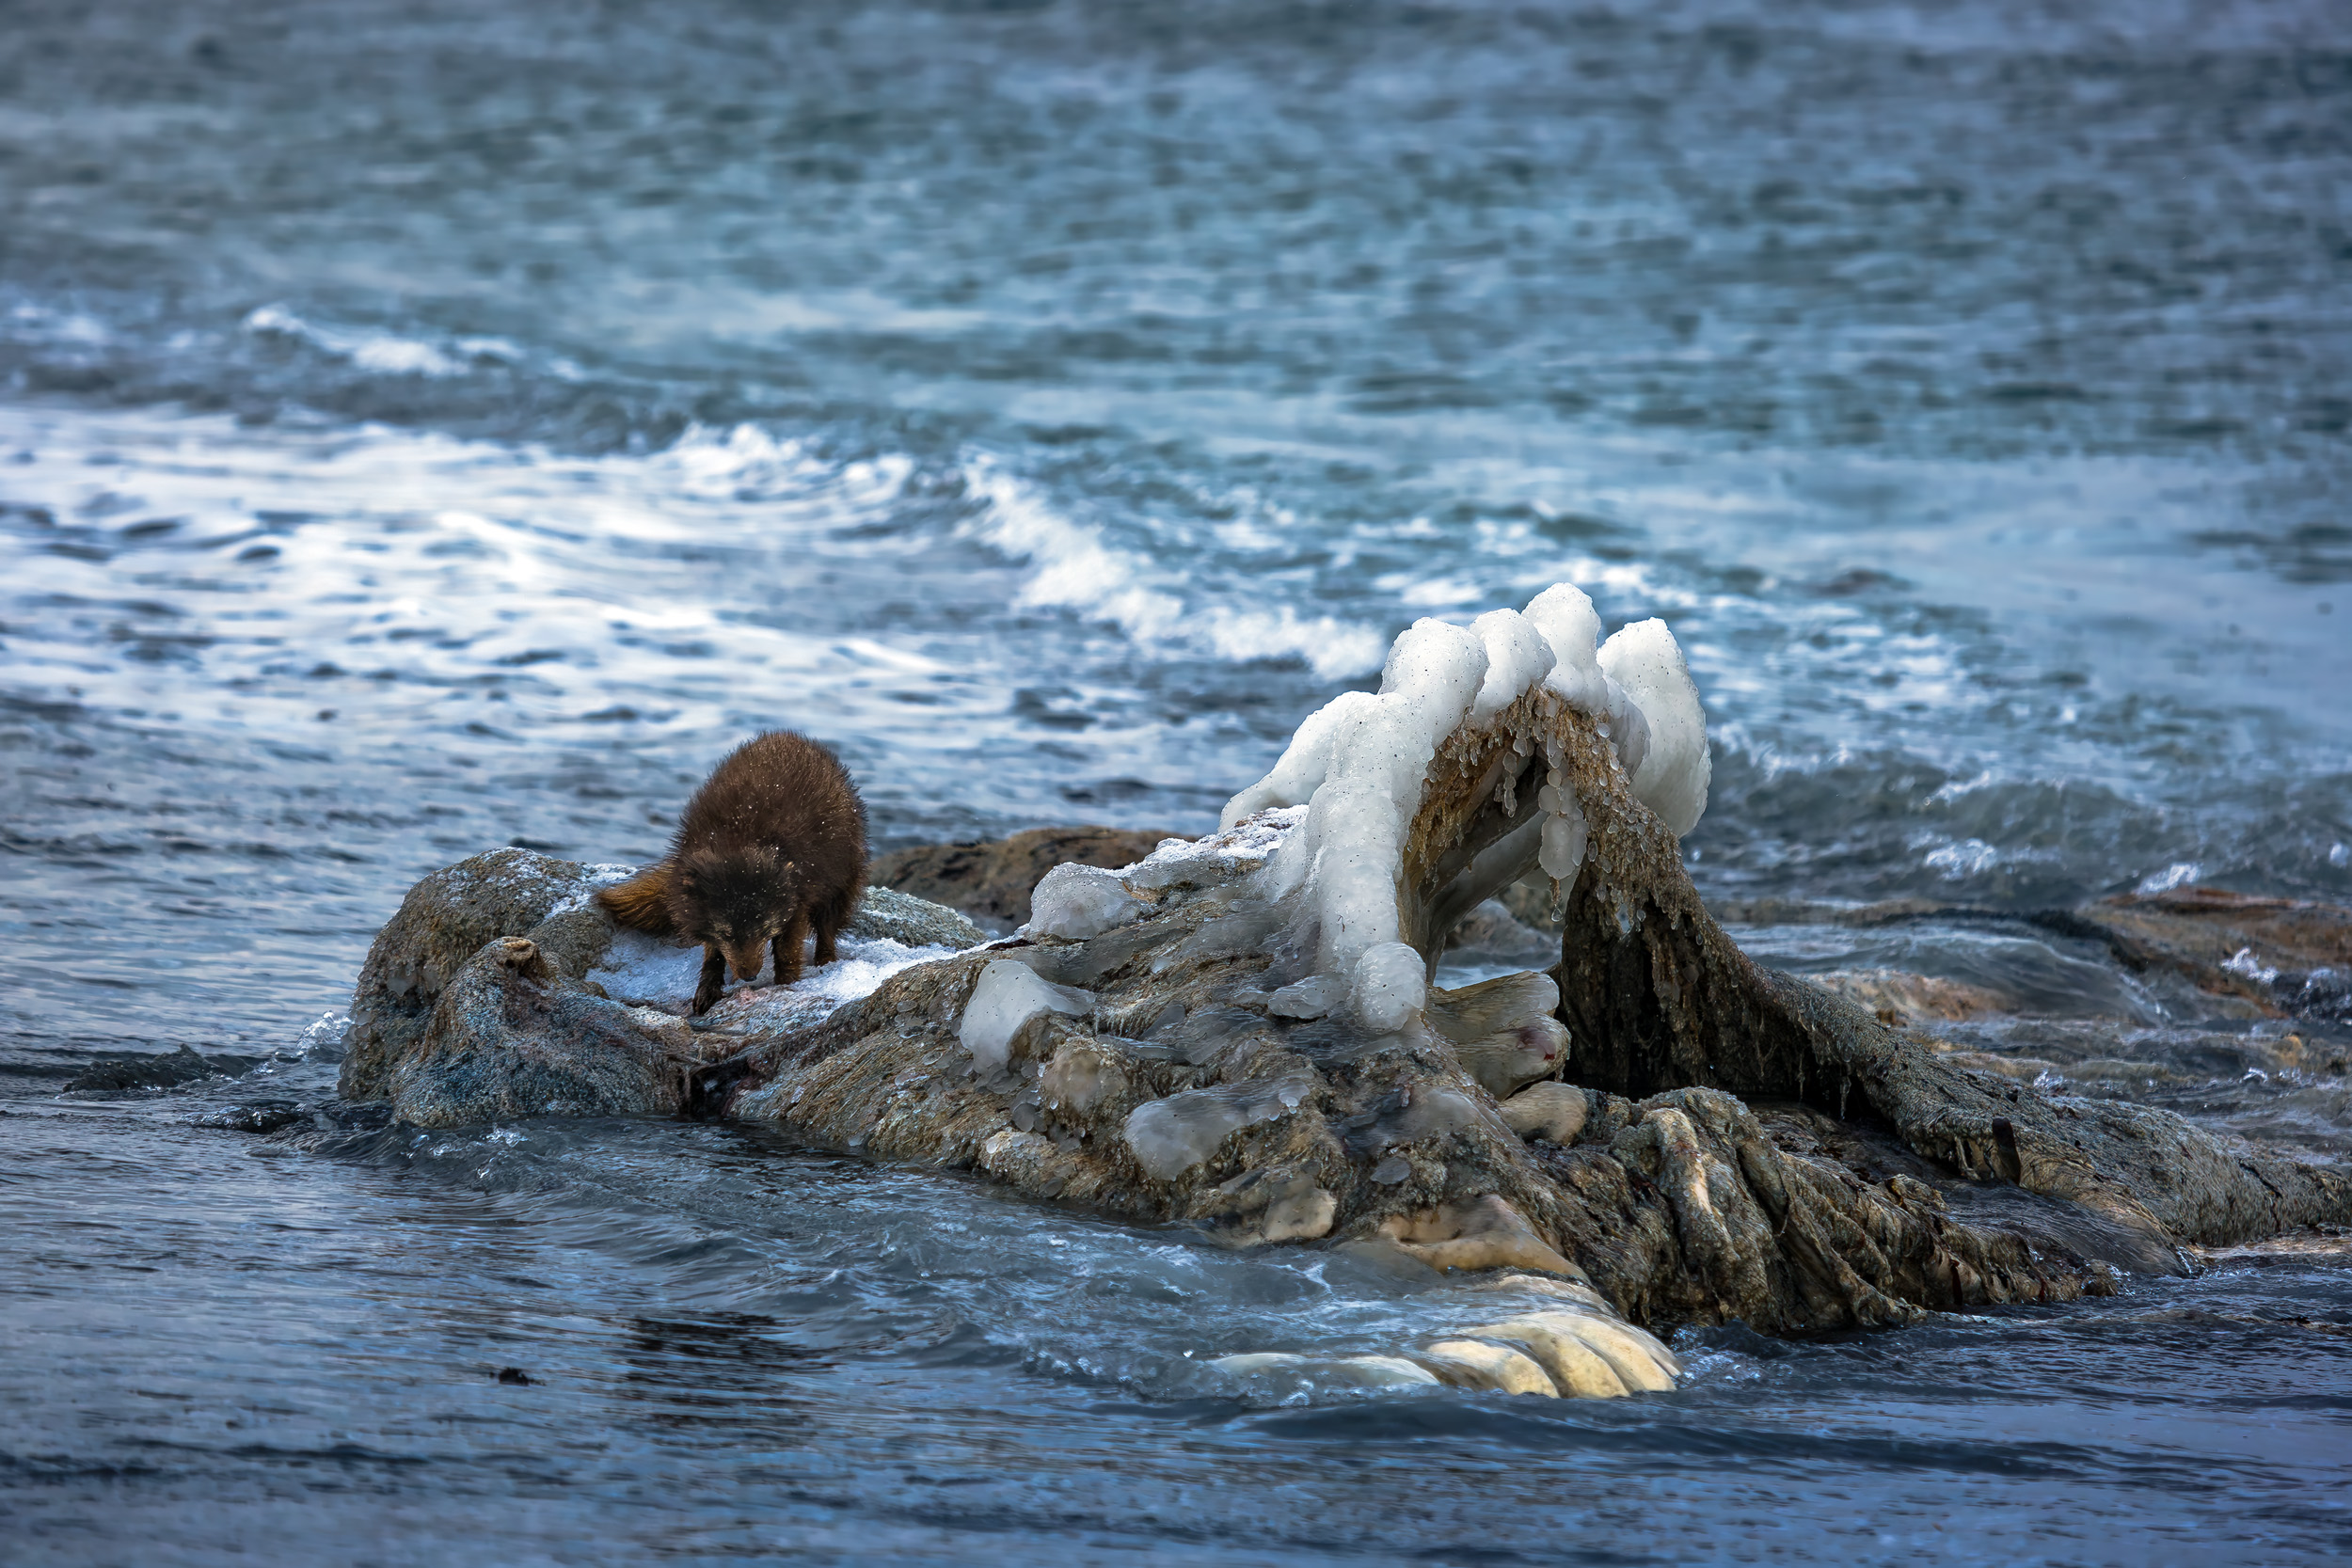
(426, 427)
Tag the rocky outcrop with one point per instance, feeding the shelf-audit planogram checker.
(1241, 1034)
(442, 924)
(477, 1000)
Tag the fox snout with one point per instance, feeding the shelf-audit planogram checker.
(747, 960)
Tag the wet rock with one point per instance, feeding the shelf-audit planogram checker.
(442, 924)
(1554, 1112)
(992, 879)
(1904, 999)
(900, 917)
(1503, 1030)
(1485, 1232)
(512, 1036)
(448, 917)
(1588, 1353)
(1265, 1207)
(259, 1115)
(1345, 1371)
(2286, 952)
(184, 1066)
(1477, 1364)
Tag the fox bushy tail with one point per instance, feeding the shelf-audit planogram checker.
(643, 902)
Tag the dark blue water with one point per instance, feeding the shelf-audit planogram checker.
(426, 428)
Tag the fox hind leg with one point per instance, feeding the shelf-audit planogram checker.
(828, 923)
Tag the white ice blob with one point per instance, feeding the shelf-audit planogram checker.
(1571, 626)
(1564, 833)
(1519, 655)
(1300, 770)
(1171, 1136)
(1007, 996)
(1670, 774)
(1353, 839)
(1079, 903)
(1392, 986)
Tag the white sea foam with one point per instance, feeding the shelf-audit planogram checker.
(383, 352)
(1072, 568)
(2179, 874)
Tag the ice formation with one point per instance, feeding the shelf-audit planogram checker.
(1171, 1135)
(1672, 773)
(1006, 996)
(1359, 766)
(1079, 903)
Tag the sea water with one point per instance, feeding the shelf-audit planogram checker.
(430, 428)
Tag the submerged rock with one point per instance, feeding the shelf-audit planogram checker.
(1240, 1034)
(185, 1066)
(2290, 954)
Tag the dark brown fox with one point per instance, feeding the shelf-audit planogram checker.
(772, 843)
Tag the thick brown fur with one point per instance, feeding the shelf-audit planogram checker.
(772, 847)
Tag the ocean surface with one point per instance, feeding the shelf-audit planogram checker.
(428, 427)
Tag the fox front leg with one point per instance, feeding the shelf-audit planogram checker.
(714, 978)
(788, 949)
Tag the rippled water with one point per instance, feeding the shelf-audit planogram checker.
(424, 430)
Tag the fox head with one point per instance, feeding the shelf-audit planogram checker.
(737, 901)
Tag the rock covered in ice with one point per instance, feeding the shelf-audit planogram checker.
(1008, 995)
(1362, 764)
(1316, 996)
(1079, 903)
(1346, 852)
(1234, 850)
(650, 972)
